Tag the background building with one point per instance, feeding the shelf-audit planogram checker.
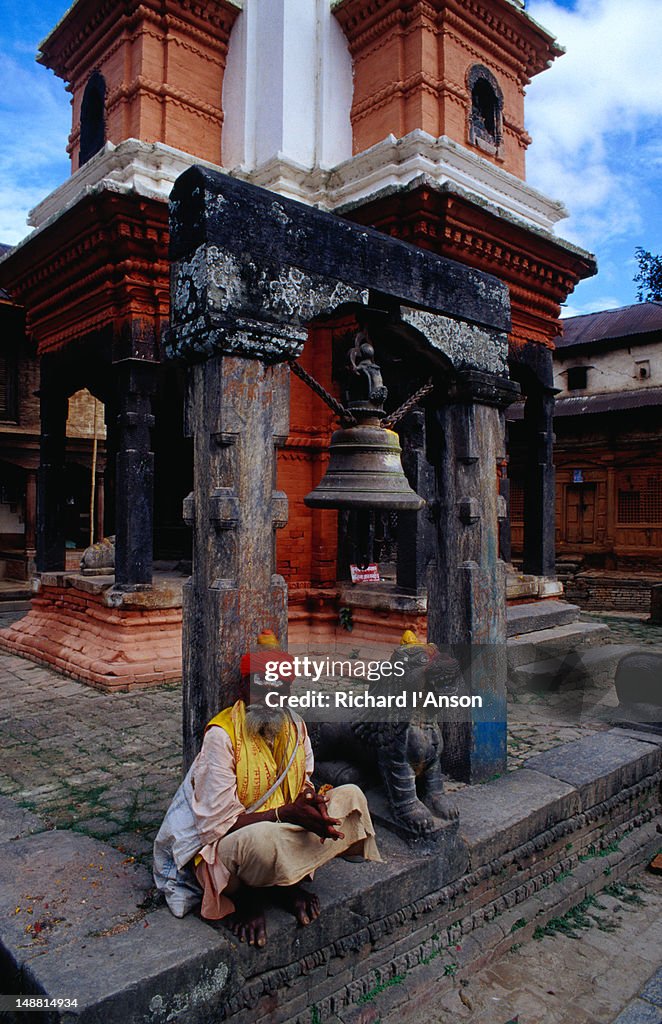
(608, 455)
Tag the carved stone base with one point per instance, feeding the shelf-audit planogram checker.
(444, 833)
(314, 620)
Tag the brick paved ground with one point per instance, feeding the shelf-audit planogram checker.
(557, 979)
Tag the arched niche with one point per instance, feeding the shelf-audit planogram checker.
(486, 112)
(93, 117)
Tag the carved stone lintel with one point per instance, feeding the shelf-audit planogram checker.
(210, 335)
(240, 253)
(464, 345)
(216, 291)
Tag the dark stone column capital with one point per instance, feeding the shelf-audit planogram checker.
(483, 388)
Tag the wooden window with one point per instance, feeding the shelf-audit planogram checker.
(577, 378)
(516, 501)
(7, 388)
(486, 112)
(640, 502)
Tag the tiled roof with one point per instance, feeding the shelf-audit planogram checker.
(582, 405)
(641, 318)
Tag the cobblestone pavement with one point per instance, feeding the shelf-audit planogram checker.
(627, 627)
(107, 765)
(556, 979)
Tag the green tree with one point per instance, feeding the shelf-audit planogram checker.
(649, 276)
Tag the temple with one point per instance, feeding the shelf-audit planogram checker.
(406, 116)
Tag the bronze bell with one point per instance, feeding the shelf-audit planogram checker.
(365, 470)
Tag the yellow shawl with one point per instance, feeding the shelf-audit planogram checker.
(257, 768)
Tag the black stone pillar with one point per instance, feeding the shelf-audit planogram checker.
(415, 528)
(467, 579)
(505, 546)
(134, 475)
(539, 484)
(30, 520)
(112, 432)
(50, 481)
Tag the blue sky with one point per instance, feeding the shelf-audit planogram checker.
(595, 118)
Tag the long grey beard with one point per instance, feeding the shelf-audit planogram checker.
(265, 722)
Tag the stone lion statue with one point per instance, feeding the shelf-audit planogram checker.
(100, 555)
(403, 750)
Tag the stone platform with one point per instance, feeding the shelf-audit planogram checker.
(377, 615)
(614, 590)
(85, 627)
(531, 845)
(111, 639)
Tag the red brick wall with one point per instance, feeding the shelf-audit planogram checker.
(307, 547)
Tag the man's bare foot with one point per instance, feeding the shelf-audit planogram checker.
(303, 905)
(248, 922)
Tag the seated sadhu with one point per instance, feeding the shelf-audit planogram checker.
(247, 819)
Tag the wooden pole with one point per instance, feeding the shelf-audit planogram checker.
(93, 481)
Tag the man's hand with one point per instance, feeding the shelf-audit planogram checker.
(310, 811)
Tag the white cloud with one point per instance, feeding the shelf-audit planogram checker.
(35, 120)
(596, 114)
(597, 301)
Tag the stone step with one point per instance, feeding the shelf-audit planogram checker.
(593, 666)
(14, 605)
(529, 618)
(554, 642)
